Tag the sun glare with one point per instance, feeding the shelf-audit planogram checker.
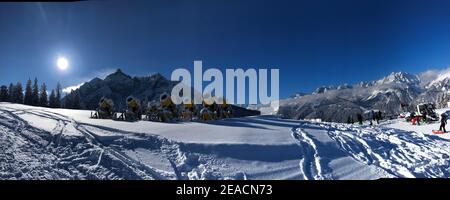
(62, 63)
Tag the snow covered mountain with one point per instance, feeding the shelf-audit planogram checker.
(44, 143)
(338, 103)
(437, 89)
(118, 86)
(401, 78)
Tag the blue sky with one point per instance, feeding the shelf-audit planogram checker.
(313, 43)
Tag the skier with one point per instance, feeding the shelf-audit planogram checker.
(443, 122)
(424, 118)
(414, 119)
(360, 118)
(349, 120)
(372, 115)
(418, 119)
(378, 116)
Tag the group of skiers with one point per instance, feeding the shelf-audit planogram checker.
(415, 119)
(374, 116)
(163, 110)
(425, 114)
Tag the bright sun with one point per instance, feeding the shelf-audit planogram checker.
(62, 63)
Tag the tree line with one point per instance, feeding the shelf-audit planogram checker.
(34, 95)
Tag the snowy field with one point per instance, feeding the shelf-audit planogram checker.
(43, 143)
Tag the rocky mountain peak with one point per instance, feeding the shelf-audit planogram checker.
(324, 89)
(117, 76)
(157, 76)
(400, 77)
(298, 94)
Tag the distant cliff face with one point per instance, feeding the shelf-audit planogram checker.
(118, 86)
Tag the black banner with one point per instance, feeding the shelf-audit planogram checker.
(226, 189)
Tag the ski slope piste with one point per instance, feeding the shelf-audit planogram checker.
(44, 143)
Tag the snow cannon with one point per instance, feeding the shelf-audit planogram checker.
(209, 110)
(206, 114)
(225, 110)
(105, 109)
(168, 110)
(133, 112)
(152, 112)
(165, 100)
(188, 110)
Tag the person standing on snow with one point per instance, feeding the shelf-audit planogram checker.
(350, 119)
(414, 118)
(443, 122)
(378, 117)
(360, 118)
(372, 115)
(418, 119)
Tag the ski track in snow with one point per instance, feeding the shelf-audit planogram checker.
(31, 153)
(76, 150)
(399, 153)
(310, 163)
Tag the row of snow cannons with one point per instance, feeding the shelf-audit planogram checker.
(163, 110)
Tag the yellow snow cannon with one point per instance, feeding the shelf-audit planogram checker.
(105, 109)
(188, 111)
(225, 110)
(168, 110)
(152, 112)
(208, 112)
(133, 112)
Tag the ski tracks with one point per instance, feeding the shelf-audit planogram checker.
(86, 157)
(310, 165)
(399, 153)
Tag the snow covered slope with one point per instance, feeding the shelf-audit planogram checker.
(43, 143)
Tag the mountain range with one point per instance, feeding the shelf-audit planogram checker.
(398, 92)
(393, 94)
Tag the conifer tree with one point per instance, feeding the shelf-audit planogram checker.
(19, 93)
(28, 99)
(11, 92)
(43, 99)
(35, 93)
(58, 95)
(52, 99)
(4, 93)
